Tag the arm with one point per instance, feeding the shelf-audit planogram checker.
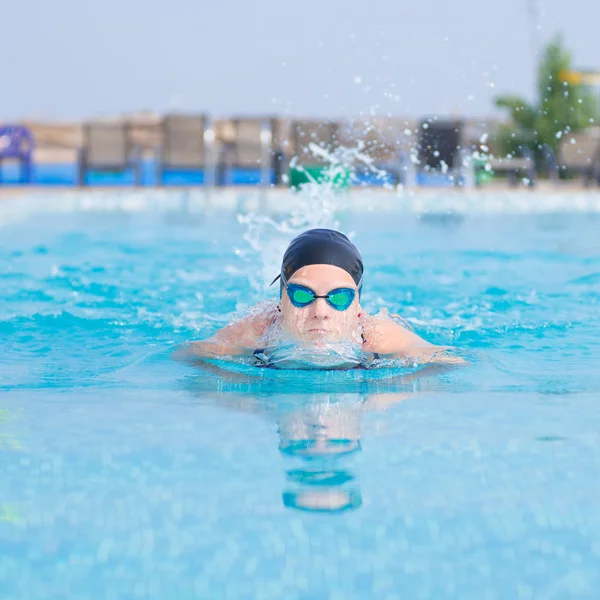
(239, 338)
(390, 340)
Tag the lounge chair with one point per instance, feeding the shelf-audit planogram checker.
(439, 144)
(107, 148)
(311, 150)
(383, 146)
(439, 152)
(17, 143)
(186, 150)
(580, 155)
(251, 153)
(308, 134)
(515, 166)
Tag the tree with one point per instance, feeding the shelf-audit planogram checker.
(561, 107)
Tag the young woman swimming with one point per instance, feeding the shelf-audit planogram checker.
(319, 304)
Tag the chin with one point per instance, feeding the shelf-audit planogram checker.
(321, 335)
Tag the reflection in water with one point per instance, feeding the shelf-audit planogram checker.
(321, 438)
(323, 500)
(319, 433)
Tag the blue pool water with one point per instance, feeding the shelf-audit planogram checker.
(125, 474)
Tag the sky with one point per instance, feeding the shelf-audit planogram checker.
(70, 59)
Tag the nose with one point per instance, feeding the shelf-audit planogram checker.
(320, 309)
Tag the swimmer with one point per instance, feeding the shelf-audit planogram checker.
(319, 303)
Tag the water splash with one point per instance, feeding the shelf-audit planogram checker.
(339, 356)
(341, 162)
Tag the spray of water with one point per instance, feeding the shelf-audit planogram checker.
(318, 204)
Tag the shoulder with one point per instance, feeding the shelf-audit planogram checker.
(384, 335)
(240, 336)
(253, 324)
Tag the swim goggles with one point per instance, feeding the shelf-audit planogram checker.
(301, 296)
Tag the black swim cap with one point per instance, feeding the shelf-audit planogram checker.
(322, 247)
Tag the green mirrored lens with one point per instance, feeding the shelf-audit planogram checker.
(340, 299)
(302, 296)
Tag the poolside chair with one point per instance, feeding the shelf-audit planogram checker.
(515, 168)
(310, 134)
(187, 143)
(17, 143)
(107, 148)
(251, 153)
(438, 149)
(518, 167)
(312, 155)
(580, 155)
(382, 145)
(439, 143)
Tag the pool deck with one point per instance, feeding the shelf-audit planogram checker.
(25, 201)
(545, 187)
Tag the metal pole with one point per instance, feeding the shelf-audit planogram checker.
(266, 137)
(209, 155)
(533, 9)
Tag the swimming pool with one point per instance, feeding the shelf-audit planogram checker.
(127, 475)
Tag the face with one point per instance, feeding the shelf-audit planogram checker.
(320, 322)
(322, 430)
